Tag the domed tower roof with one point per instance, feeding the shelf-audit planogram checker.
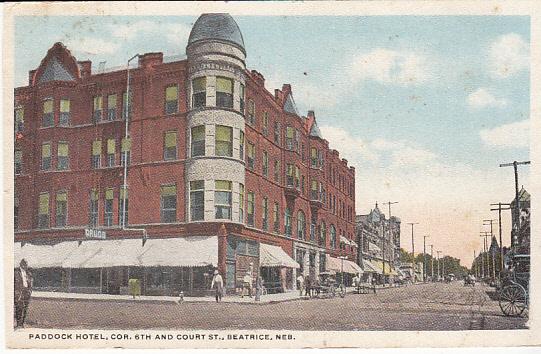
(217, 27)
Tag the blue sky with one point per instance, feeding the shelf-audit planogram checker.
(424, 107)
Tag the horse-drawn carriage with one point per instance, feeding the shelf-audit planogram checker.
(327, 286)
(514, 288)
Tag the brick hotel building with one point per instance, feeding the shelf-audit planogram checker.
(221, 173)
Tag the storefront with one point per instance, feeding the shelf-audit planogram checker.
(309, 258)
(242, 258)
(276, 269)
(343, 267)
(371, 272)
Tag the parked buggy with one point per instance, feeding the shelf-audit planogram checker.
(326, 286)
(514, 289)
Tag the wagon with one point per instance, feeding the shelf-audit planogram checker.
(327, 286)
(514, 289)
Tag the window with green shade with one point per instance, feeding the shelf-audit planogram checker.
(251, 112)
(290, 138)
(199, 92)
(197, 200)
(224, 92)
(170, 146)
(222, 199)
(93, 208)
(198, 141)
(168, 203)
(277, 133)
(61, 208)
(171, 99)
(43, 211)
(111, 107)
(265, 123)
(96, 154)
(63, 156)
(98, 108)
(250, 208)
(333, 236)
(48, 113)
(223, 141)
(65, 115)
(111, 151)
(46, 156)
(19, 119)
(108, 207)
(123, 207)
(290, 175)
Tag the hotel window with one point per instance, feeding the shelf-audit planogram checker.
(277, 171)
(98, 108)
(63, 156)
(314, 193)
(288, 222)
(290, 138)
(250, 206)
(18, 159)
(198, 141)
(48, 113)
(290, 175)
(265, 169)
(277, 133)
(251, 112)
(223, 141)
(224, 92)
(123, 206)
(241, 145)
(241, 202)
(276, 217)
(265, 123)
(333, 236)
(43, 212)
(93, 208)
(301, 225)
(241, 98)
(251, 156)
(313, 157)
(126, 151)
(65, 115)
(96, 154)
(111, 150)
(170, 146)
(61, 208)
(265, 212)
(108, 207)
(46, 156)
(19, 119)
(323, 234)
(171, 99)
(222, 199)
(199, 92)
(197, 200)
(111, 107)
(127, 105)
(168, 203)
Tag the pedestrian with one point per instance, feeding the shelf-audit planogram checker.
(307, 286)
(22, 292)
(247, 284)
(219, 283)
(300, 284)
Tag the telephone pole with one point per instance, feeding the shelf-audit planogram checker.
(389, 203)
(490, 221)
(439, 276)
(517, 201)
(424, 257)
(412, 240)
(507, 206)
(432, 262)
(475, 269)
(485, 267)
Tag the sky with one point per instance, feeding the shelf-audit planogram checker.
(425, 108)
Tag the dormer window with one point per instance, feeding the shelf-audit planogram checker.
(19, 119)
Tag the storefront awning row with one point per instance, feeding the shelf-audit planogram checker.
(191, 251)
(339, 265)
(372, 247)
(371, 268)
(275, 256)
(347, 241)
(388, 269)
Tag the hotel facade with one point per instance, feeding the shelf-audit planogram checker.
(169, 168)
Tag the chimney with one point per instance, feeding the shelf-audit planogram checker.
(258, 78)
(85, 68)
(148, 60)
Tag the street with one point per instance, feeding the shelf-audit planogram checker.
(415, 307)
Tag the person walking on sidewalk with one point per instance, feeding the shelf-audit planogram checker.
(300, 284)
(219, 283)
(22, 292)
(247, 284)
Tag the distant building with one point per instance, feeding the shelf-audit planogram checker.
(520, 233)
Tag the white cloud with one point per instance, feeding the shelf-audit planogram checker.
(409, 156)
(481, 98)
(508, 55)
(350, 147)
(131, 30)
(392, 67)
(175, 33)
(92, 46)
(512, 135)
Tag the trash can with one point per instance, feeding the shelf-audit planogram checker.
(135, 287)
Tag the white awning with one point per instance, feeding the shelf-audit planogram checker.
(347, 241)
(190, 251)
(44, 255)
(372, 247)
(338, 265)
(371, 268)
(275, 256)
(105, 253)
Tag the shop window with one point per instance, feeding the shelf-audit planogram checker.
(224, 92)
(43, 212)
(96, 154)
(108, 207)
(333, 236)
(123, 206)
(223, 141)
(170, 146)
(126, 151)
(197, 200)
(48, 113)
(222, 199)
(62, 156)
(251, 156)
(241, 145)
(250, 208)
(199, 92)
(111, 107)
(241, 98)
(19, 119)
(93, 209)
(171, 99)
(301, 225)
(241, 202)
(46, 156)
(277, 171)
(265, 212)
(251, 112)
(288, 222)
(168, 203)
(61, 208)
(265, 169)
(198, 141)
(265, 123)
(276, 217)
(64, 119)
(277, 133)
(111, 150)
(18, 159)
(314, 193)
(98, 109)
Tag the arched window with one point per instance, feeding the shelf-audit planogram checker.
(287, 222)
(301, 225)
(323, 234)
(333, 236)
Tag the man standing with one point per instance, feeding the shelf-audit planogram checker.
(219, 283)
(300, 283)
(23, 290)
(247, 284)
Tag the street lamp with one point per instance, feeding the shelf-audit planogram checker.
(424, 257)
